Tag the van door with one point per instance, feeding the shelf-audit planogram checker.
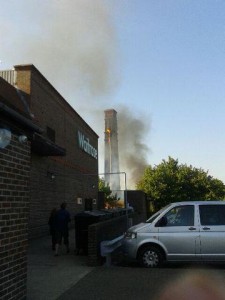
(179, 233)
(212, 231)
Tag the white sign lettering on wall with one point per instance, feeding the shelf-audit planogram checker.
(85, 145)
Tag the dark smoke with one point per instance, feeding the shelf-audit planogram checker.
(133, 150)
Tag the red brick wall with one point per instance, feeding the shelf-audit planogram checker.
(14, 211)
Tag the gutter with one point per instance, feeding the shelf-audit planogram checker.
(20, 118)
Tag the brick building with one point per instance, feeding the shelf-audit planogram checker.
(63, 155)
(48, 154)
(15, 152)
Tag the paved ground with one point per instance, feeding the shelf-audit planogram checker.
(132, 282)
(118, 283)
(50, 276)
(68, 277)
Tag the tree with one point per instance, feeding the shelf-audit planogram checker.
(111, 200)
(170, 182)
(104, 187)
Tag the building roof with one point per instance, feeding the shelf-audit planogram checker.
(32, 68)
(10, 96)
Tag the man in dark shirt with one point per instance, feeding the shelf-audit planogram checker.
(52, 227)
(62, 230)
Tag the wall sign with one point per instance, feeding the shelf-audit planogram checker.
(85, 145)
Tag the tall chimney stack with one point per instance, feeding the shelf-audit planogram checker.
(111, 150)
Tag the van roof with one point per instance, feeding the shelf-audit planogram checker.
(199, 202)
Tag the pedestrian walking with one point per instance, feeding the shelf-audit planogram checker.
(52, 227)
(62, 230)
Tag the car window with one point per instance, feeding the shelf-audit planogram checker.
(212, 214)
(180, 216)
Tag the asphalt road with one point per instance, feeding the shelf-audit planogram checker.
(132, 282)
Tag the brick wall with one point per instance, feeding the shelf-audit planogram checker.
(14, 210)
(105, 230)
(51, 110)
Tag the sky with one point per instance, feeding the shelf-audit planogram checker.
(159, 63)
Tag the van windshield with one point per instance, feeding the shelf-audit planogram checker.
(153, 217)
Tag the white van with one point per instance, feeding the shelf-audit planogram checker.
(182, 231)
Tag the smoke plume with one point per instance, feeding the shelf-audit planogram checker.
(133, 149)
(74, 45)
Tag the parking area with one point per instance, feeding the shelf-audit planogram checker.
(132, 282)
(68, 276)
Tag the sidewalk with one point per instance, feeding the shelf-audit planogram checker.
(48, 277)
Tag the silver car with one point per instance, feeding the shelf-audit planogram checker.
(182, 231)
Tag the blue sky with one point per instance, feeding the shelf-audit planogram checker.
(174, 70)
(163, 59)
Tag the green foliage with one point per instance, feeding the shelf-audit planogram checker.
(170, 182)
(104, 187)
(111, 200)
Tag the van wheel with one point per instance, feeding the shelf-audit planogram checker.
(150, 257)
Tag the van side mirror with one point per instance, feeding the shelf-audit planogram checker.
(162, 222)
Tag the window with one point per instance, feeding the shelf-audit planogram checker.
(212, 214)
(180, 216)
